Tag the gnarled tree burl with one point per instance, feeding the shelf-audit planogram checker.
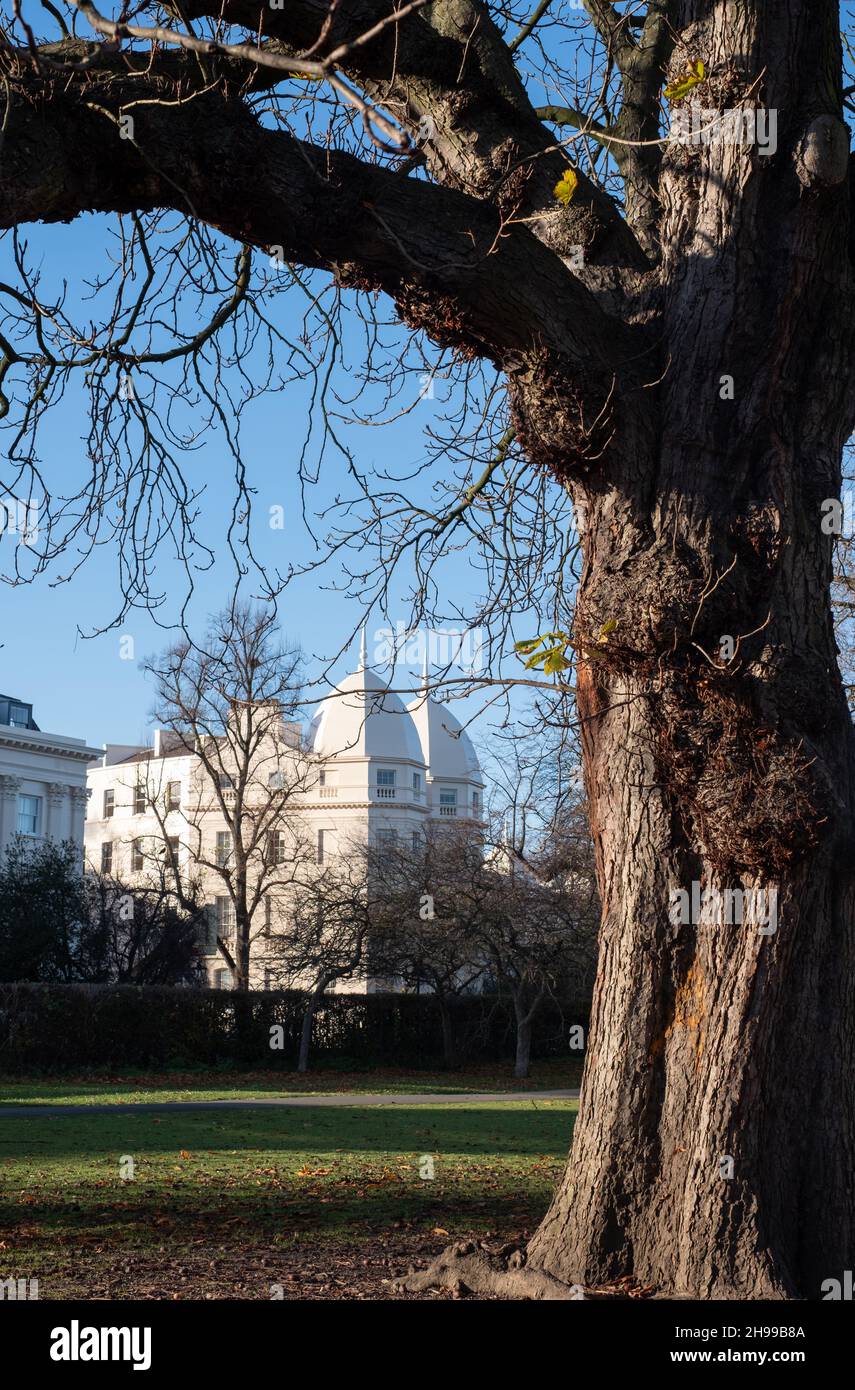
(679, 358)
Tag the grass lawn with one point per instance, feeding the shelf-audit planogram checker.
(211, 1085)
(314, 1202)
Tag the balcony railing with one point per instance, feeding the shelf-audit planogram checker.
(448, 810)
(386, 793)
(328, 793)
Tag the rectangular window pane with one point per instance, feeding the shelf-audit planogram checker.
(225, 917)
(137, 857)
(385, 777)
(109, 803)
(173, 796)
(224, 848)
(107, 857)
(320, 847)
(29, 815)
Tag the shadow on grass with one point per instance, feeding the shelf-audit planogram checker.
(527, 1127)
(275, 1175)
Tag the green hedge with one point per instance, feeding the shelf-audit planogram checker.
(58, 1027)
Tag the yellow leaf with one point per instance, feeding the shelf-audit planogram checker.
(184, 1154)
(695, 73)
(566, 186)
(439, 1231)
(555, 662)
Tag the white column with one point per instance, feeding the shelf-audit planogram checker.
(54, 805)
(8, 808)
(79, 798)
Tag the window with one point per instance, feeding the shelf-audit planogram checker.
(109, 803)
(223, 979)
(225, 782)
(277, 846)
(387, 839)
(267, 979)
(137, 857)
(173, 796)
(322, 779)
(417, 840)
(225, 918)
(268, 915)
(223, 851)
(448, 801)
(476, 803)
(320, 847)
(107, 857)
(29, 815)
(386, 783)
(13, 712)
(417, 784)
(208, 933)
(276, 781)
(171, 848)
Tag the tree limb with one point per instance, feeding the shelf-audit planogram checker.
(207, 156)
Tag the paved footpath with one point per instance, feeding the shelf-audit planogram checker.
(353, 1098)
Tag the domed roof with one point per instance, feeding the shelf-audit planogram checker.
(363, 719)
(447, 749)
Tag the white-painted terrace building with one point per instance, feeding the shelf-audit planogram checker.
(42, 778)
(382, 771)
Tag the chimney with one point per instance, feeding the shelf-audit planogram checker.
(157, 742)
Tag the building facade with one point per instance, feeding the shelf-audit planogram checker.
(43, 790)
(369, 769)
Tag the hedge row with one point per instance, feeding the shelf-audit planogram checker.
(58, 1027)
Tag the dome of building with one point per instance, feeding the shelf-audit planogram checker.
(363, 719)
(446, 748)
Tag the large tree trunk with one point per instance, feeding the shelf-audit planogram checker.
(522, 1061)
(715, 1146)
(449, 1047)
(311, 1009)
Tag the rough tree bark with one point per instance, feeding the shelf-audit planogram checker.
(707, 1041)
(715, 1145)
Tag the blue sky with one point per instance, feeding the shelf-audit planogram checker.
(90, 687)
(85, 687)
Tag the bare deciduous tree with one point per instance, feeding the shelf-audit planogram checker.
(323, 934)
(232, 702)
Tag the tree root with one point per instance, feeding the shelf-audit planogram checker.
(470, 1268)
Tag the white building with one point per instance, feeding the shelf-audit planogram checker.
(378, 771)
(42, 778)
